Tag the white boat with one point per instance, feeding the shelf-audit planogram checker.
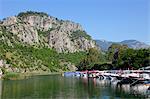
(145, 76)
(84, 75)
(130, 74)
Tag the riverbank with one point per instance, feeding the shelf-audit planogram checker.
(18, 76)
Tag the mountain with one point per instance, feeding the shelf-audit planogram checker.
(104, 45)
(40, 29)
(135, 44)
(37, 42)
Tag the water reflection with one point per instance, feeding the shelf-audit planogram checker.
(139, 90)
(58, 87)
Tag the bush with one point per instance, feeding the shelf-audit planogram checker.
(28, 13)
(11, 76)
(77, 34)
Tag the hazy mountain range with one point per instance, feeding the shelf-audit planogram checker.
(104, 45)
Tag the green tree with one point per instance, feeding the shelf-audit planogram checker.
(92, 58)
(133, 58)
(115, 50)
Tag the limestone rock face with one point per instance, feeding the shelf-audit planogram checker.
(43, 30)
(10, 21)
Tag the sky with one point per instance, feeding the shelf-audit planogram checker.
(112, 20)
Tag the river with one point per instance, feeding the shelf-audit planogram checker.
(59, 87)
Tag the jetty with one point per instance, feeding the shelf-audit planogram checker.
(131, 77)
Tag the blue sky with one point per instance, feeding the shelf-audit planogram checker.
(113, 20)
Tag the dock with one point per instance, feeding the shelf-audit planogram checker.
(131, 77)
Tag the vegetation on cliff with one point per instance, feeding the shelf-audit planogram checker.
(77, 34)
(29, 58)
(29, 13)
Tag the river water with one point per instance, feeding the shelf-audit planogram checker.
(59, 87)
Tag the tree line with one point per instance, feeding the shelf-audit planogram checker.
(117, 57)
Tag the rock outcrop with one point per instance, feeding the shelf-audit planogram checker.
(39, 29)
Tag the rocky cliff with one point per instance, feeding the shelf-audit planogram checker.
(41, 30)
(37, 42)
